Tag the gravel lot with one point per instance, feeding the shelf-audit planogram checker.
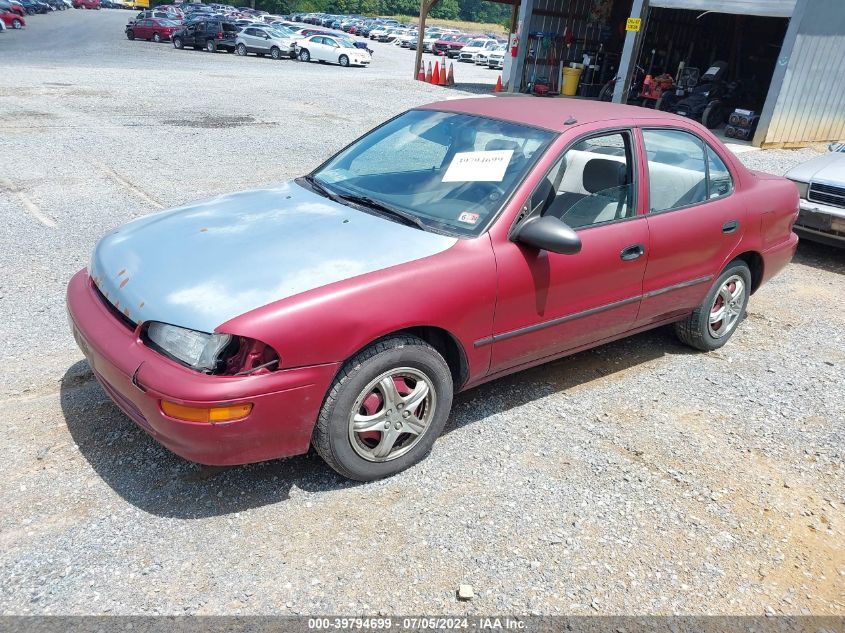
(635, 478)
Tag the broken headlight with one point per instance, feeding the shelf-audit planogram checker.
(197, 350)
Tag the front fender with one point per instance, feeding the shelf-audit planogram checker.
(454, 290)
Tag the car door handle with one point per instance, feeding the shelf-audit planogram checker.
(730, 227)
(634, 251)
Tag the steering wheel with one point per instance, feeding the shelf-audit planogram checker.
(494, 192)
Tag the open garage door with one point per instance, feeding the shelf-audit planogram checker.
(763, 8)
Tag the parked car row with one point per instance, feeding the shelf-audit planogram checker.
(246, 32)
(13, 13)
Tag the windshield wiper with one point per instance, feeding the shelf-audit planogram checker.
(316, 185)
(405, 218)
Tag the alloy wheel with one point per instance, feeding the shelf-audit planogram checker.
(727, 307)
(392, 414)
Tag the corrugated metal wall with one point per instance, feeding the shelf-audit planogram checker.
(810, 102)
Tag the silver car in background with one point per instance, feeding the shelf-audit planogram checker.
(821, 187)
(276, 42)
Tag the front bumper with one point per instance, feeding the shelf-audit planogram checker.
(821, 222)
(285, 403)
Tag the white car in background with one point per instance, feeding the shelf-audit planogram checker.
(406, 39)
(481, 57)
(331, 49)
(821, 192)
(496, 58)
(377, 33)
(473, 47)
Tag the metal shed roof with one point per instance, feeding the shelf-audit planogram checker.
(767, 8)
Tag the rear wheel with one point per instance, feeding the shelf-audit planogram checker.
(156, 38)
(715, 320)
(276, 52)
(343, 60)
(304, 55)
(16, 24)
(178, 43)
(241, 50)
(385, 409)
(211, 46)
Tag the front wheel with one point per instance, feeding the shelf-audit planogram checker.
(211, 46)
(384, 409)
(715, 320)
(16, 24)
(343, 60)
(304, 55)
(241, 50)
(130, 35)
(177, 43)
(156, 38)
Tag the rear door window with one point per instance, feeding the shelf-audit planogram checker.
(719, 179)
(677, 171)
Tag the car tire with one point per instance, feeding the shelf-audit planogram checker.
(241, 50)
(358, 392)
(729, 294)
(16, 24)
(343, 60)
(304, 55)
(156, 38)
(130, 35)
(177, 43)
(211, 46)
(276, 52)
(293, 54)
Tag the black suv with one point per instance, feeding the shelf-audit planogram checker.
(208, 34)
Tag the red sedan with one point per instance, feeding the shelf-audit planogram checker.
(154, 29)
(12, 20)
(456, 243)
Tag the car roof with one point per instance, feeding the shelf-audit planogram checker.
(548, 113)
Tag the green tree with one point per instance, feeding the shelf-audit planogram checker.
(445, 10)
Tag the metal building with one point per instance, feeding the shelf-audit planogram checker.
(791, 51)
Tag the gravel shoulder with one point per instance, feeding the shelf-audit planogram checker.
(635, 478)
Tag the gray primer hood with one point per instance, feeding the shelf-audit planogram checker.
(199, 266)
(828, 168)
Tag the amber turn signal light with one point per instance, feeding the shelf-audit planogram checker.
(210, 415)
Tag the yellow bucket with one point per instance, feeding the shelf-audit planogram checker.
(571, 77)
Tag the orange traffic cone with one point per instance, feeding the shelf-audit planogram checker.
(428, 74)
(421, 73)
(435, 76)
(450, 80)
(498, 87)
(442, 81)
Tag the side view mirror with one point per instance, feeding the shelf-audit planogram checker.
(549, 234)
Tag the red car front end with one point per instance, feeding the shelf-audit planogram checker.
(141, 381)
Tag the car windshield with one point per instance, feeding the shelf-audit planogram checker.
(476, 43)
(281, 31)
(452, 172)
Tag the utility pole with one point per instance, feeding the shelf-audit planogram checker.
(425, 7)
